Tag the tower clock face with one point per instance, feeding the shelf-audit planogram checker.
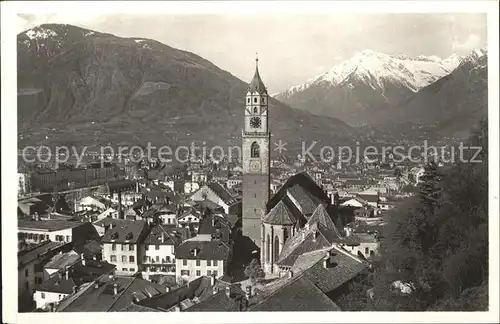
(255, 166)
(255, 122)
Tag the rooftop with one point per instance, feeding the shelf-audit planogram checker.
(203, 250)
(46, 225)
(124, 231)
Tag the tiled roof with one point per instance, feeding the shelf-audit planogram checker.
(320, 215)
(341, 268)
(62, 260)
(102, 299)
(369, 198)
(37, 251)
(299, 294)
(124, 231)
(167, 300)
(256, 85)
(280, 215)
(57, 284)
(119, 185)
(308, 244)
(305, 182)
(162, 235)
(219, 302)
(206, 250)
(47, 225)
(217, 225)
(221, 192)
(305, 201)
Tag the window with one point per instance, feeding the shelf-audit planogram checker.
(124, 258)
(43, 295)
(113, 258)
(198, 263)
(255, 99)
(68, 239)
(209, 273)
(124, 247)
(26, 272)
(157, 247)
(215, 263)
(168, 220)
(254, 150)
(184, 272)
(214, 273)
(366, 250)
(113, 247)
(146, 247)
(248, 100)
(157, 258)
(124, 269)
(254, 110)
(131, 259)
(198, 273)
(255, 195)
(185, 262)
(209, 263)
(132, 269)
(153, 269)
(145, 258)
(131, 247)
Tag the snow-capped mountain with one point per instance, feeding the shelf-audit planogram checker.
(366, 81)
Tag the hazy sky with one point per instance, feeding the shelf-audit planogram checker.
(291, 47)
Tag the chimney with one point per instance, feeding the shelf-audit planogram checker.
(212, 280)
(82, 257)
(115, 289)
(248, 292)
(162, 238)
(167, 289)
(290, 274)
(213, 220)
(136, 299)
(195, 252)
(67, 273)
(303, 235)
(96, 285)
(326, 261)
(228, 292)
(214, 290)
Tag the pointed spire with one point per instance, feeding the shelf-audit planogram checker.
(256, 84)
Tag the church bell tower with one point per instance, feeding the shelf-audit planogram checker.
(256, 158)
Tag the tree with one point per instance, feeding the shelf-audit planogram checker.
(438, 240)
(254, 271)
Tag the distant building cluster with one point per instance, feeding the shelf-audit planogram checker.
(160, 237)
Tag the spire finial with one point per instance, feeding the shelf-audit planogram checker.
(256, 58)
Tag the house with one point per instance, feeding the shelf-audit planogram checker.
(30, 269)
(70, 275)
(56, 231)
(202, 256)
(120, 245)
(92, 203)
(216, 193)
(158, 251)
(183, 298)
(364, 245)
(110, 212)
(233, 181)
(167, 214)
(109, 293)
(189, 217)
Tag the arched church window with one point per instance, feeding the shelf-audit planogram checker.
(248, 100)
(255, 150)
(276, 248)
(268, 248)
(255, 99)
(254, 110)
(285, 234)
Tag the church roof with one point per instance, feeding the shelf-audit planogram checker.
(320, 215)
(307, 185)
(256, 85)
(280, 215)
(307, 203)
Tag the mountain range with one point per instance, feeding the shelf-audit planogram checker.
(376, 88)
(82, 87)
